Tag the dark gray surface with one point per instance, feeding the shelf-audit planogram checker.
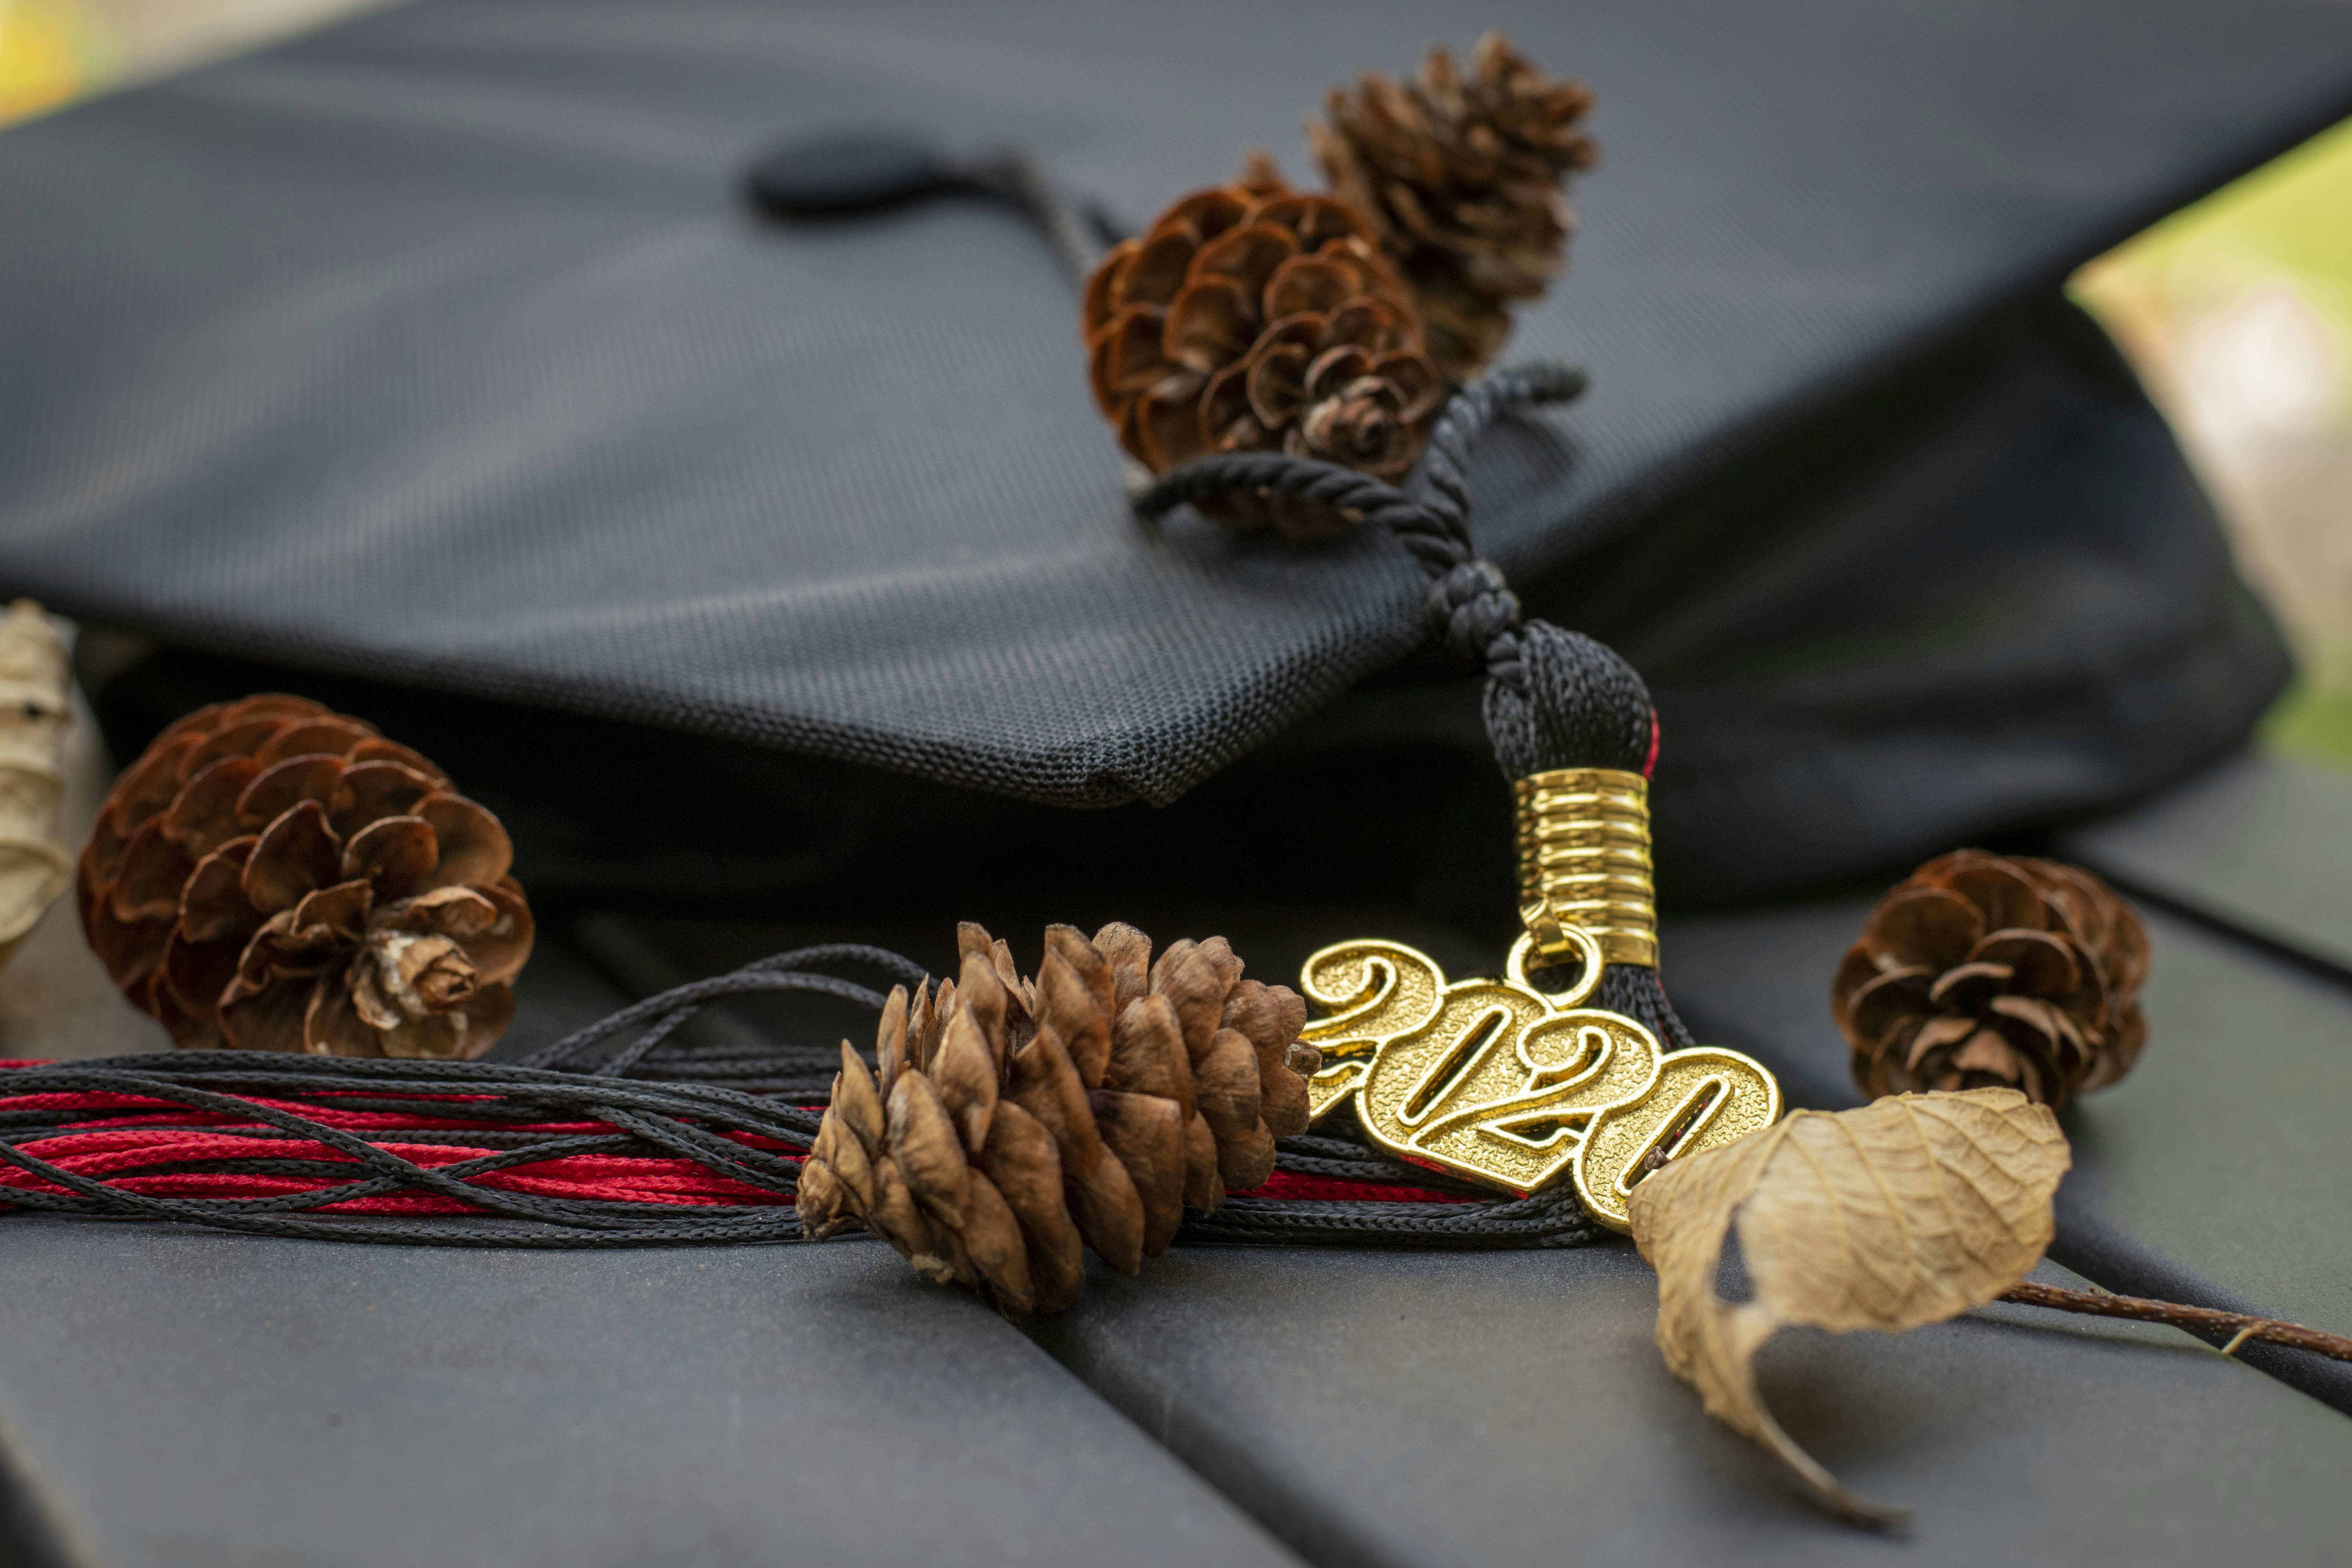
(1411, 1411)
(437, 347)
(182, 1398)
(780, 1404)
(560, 990)
(2218, 1172)
(2262, 844)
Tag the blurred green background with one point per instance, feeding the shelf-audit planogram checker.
(2238, 313)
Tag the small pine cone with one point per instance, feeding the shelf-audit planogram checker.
(1981, 971)
(1010, 1123)
(1461, 177)
(274, 877)
(1253, 319)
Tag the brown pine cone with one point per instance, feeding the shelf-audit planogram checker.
(1461, 178)
(1253, 319)
(271, 875)
(1010, 1123)
(1983, 971)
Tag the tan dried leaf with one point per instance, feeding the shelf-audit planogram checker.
(36, 706)
(1906, 1212)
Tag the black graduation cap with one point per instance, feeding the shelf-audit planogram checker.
(438, 352)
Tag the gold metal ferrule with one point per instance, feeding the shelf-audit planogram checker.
(1584, 861)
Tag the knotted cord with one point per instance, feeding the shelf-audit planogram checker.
(1555, 698)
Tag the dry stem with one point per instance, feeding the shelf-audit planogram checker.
(2204, 1318)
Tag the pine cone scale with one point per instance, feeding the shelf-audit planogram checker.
(203, 816)
(1933, 928)
(1049, 1088)
(1108, 1211)
(395, 850)
(298, 855)
(280, 786)
(154, 868)
(332, 1019)
(149, 785)
(1204, 1182)
(1226, 1085)
(924, 1144)
(1147, 1052)
(2041, 964)
(993, 1241)
(1146, 1134)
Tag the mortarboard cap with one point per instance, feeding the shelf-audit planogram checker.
(437, 350)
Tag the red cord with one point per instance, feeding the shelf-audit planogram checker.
(151, 1132)
(1284, 1184)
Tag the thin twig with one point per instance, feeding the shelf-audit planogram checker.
(2244, 1326)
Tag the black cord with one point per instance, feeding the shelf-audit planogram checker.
(650, 1099)
(1555, 698)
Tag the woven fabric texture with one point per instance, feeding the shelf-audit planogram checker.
(438, 347)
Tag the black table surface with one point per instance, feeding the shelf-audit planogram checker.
(180, 1397)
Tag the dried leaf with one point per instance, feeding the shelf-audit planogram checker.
(1908, 1210)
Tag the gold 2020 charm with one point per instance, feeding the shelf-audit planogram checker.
(1500, 1082)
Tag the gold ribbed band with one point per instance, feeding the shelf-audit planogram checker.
(1584, 861)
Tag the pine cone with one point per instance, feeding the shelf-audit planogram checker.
(1253, 319)
(271, 875)
(1012, 1121)
(1461, 181)
(1980, 971)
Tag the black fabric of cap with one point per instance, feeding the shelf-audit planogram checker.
(439, 348)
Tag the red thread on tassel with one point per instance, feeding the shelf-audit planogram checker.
(142, 1133)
